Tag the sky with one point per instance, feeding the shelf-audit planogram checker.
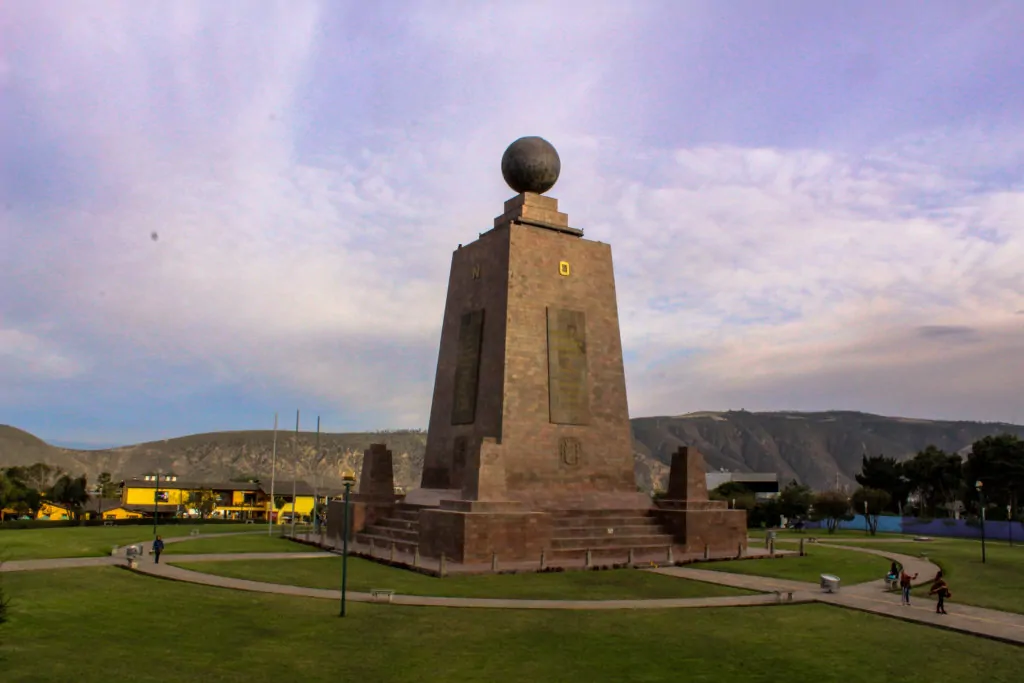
(214, 211)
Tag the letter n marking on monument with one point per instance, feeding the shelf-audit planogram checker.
(476, 271)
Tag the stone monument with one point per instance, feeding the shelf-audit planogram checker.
(529, 445)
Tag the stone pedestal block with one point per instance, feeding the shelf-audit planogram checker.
(468, 532)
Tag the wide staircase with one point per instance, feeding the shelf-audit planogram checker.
(608, 534)
(400, 527)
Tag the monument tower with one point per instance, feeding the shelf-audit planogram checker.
(529, 447)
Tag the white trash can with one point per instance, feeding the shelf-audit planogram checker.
(829, 583)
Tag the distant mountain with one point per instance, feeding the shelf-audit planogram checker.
(809, 447)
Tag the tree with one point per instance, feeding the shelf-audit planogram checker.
(795, 501)
(885, 474)
(832, 507)
(108, 487)
(935, 476)
(998, 462)
(70, 492)
(203, 501)
(876, 501)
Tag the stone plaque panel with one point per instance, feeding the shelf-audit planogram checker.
(467, 368)
(568, 388)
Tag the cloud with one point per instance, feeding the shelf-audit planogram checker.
(309, 168)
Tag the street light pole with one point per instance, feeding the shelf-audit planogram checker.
(273, 476)
(981, 502)
(867, 525)
(1009, 524)
(348, 479)
(156, 499)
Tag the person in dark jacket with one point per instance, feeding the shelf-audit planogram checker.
(158, 547)
(941, 589)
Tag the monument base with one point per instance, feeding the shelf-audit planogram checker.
(471, 532)
(699, 525)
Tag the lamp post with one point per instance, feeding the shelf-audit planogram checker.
(867, 525)
(1009, 524)
(981, 502)
(156, 501)
(348, 477)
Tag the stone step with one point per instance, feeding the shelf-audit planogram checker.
(411, 535)
(651, 540)
(409, 514)
(561, 514)
(602, 532)
(393, 523)
(612, 554)
(385, 542)
(602, 522)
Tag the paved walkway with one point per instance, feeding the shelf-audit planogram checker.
(167, 571)
(872, 596)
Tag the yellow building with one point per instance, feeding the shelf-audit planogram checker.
(305, 494)
(233, 500)
(107, 509)
(53, 511)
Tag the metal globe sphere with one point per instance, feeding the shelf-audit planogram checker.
(531, 164)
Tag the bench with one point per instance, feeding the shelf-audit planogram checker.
(108, 523)
(377, 593)
(779, 594)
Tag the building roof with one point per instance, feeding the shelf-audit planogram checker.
(284, 488)
(191, 485)
(105, 504)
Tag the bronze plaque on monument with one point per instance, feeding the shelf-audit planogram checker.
(467, 368)
(568, 389)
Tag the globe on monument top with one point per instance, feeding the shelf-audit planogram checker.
(531, 164)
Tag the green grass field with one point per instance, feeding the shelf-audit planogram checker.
(34, 544)
(106, 624)
(364, 575)
(850, 566)
(997, 584)
(250, 543)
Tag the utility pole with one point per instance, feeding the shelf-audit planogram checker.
(156, 500)
(273, 475)
(316, 480)
(295, 468)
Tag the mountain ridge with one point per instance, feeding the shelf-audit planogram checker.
(815, 448)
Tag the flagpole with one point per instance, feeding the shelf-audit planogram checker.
(273, 476)
(316, 481)
(295, 467)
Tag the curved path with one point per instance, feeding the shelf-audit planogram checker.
(872, 596)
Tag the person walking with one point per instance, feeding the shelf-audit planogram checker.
(906, 581)
(941, 589)
(158, 547)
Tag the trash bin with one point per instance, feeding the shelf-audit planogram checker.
(829, 583)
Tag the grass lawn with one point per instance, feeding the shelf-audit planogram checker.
(364, 575)
(850, 566)
(255, 543)
(134, 628)
(998, 584)
(823, 534)
(90, 541)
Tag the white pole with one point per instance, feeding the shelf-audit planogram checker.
(273, 476)
(295, 468)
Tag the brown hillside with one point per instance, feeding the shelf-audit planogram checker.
(808, 447)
